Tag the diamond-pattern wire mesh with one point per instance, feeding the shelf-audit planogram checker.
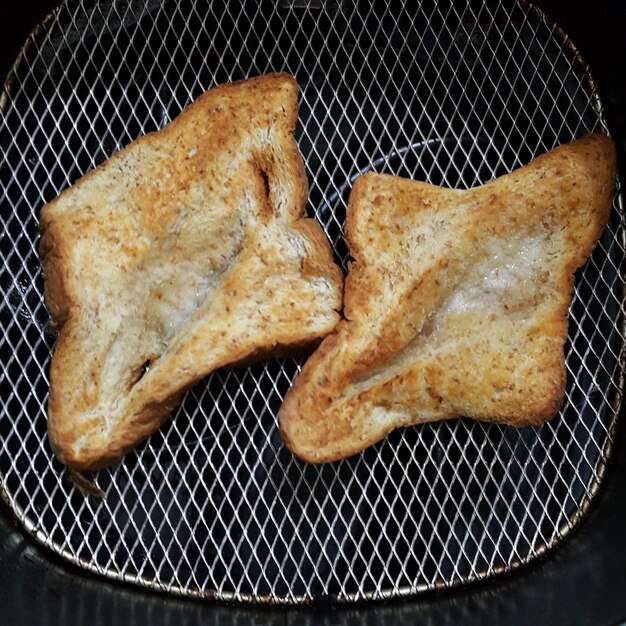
(452, 93)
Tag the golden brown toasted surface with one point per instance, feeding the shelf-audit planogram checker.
(185, 252)
(455, 303)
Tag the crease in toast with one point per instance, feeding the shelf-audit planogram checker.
(187, 251)
(455, 302)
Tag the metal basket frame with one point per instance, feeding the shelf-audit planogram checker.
(213, 505)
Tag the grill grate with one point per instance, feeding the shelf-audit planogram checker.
(452, 93)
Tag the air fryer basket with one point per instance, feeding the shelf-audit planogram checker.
(213, 505)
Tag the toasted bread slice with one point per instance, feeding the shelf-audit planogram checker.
(185, 252)
(456, 302)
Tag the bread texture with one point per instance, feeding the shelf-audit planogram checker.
(455, 302)
(185, 252)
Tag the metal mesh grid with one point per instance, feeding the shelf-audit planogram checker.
(452, 93)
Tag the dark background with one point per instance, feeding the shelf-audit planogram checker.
(583, 581)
